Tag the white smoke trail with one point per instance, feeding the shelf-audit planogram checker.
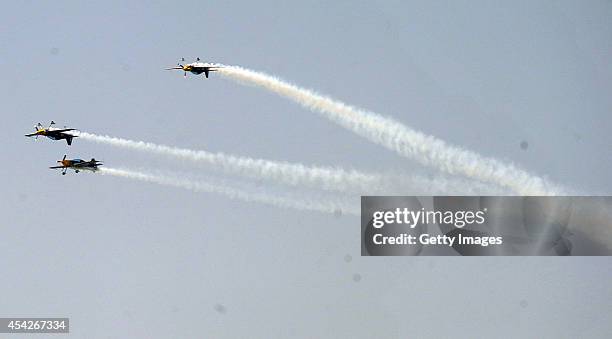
(395, 136)
(303, 204)
(328, 178)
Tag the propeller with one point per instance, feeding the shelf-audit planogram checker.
(178, 66)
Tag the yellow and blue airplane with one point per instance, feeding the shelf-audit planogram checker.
(77, 165)
(196, 67)
(53, 133)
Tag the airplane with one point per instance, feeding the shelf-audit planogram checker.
(77, 165)
(196, 67)
(53, 133)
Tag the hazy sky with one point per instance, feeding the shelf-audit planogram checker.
(131, 259)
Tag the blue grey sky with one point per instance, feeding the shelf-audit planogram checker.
(131, 259)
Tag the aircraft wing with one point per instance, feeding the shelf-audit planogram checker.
(55, 167)
(30, 135)
(63, 130)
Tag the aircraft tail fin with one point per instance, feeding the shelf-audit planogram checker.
(69, 140)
